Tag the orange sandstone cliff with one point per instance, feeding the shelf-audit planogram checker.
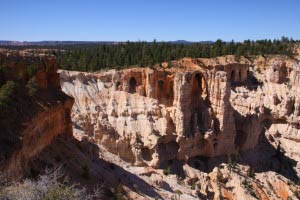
(39, 119)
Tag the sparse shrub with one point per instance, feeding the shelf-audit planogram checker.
(51, 185)
(249, 187)
(180, 181)
(21, 74)
(32, 70)
(245, 182)
(193, 187)
(61, 192)
(178, 193)
(219, 175)
(229, 162)
(297, 194)
(251, 173)
(119, 192)
(6, 92)
(32, 87)
(236, 159)
(168, 170)
(221, 195)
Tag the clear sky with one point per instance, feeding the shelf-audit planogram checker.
(121, 20)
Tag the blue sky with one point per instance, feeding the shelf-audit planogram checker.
(121, 20)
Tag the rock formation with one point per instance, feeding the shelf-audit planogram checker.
(152, 115)
(161, 130)
(40, 119)
(188, 115)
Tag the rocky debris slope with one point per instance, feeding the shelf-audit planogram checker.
(231, 181)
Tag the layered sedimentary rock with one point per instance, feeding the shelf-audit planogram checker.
(271, 109)
(191, 109)
(152, 115)
(46, 117)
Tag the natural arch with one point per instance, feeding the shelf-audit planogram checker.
(170, 93)
(132, 85)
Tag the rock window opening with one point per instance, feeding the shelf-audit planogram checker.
(160, 91)
(132, 85)
(171, 91)
(215, 146)
(196, 96)
(146, 154)
(232, 77)
(117, 85)
(196, 89)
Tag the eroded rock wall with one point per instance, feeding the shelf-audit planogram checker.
(41, 118)
(271, 109)
(40, 132)
(152, 115)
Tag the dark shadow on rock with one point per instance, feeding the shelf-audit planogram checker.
(82, 164)
(21, 111)
(167, 187)
(263, 158)
(251, 83)
(173, 167)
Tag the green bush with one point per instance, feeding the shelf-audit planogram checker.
(32, 70)
(297, 194)
(167, 171)
(119, 193)
(179, 193)
(251, 173)
(32, 87)
(61, 192)
(6, 93)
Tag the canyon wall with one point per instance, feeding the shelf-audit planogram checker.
(148, 116)
(41, 118)
(272, 109)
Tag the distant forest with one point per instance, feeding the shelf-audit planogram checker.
(94, 57)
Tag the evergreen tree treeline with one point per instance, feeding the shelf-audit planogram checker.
(94, 57)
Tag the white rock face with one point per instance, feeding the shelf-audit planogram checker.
(173, 117)
(273, 108)
(149, 116)
(200, 107)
